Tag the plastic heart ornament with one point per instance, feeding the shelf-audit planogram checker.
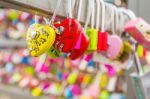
(140, 31)
(39, 39)
(115, 47)
(70, 30)
(84, 43)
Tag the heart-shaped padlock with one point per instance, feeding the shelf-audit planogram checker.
(75, 53)
(53, 52)
(70, 30)
(83, 40)
(115, 47)
(140, 31)
(40, 38)
(127, 48)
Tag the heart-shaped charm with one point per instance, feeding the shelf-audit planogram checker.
(70, 30)
(39, 39)
(127, 48)
(140, 31)
(75, 53)
(115, 47)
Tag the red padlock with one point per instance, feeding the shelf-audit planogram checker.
(102, 44)
(102, 41)
(75, 53)
(70, 30)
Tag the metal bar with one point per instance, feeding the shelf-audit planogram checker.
(46, 8)
(27, 8)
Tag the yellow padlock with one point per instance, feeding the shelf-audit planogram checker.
(36, 92)
(103, 80)
(39, 39)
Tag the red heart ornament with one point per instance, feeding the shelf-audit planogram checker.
(83, 46)
(70, 30)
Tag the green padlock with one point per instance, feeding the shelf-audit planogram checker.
(91, 32)
(93, 36)
(72, 78)
(53, 52)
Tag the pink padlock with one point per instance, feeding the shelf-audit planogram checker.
(76, 90)
(111, 70)
(140, 31)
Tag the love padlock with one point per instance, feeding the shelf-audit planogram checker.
(127, 48)
(69, 30)
(53, 52)
(140, 31)
(33, 83)
(104, 80)
(72, 78)
(104, 95)
(93, 37)
(102, 41)
(36, 92)
(84, 42)
(115, 47)
(39, 39)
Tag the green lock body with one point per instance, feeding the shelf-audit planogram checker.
(53, 52)
(93, 36)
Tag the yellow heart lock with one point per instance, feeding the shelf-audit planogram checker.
(39, 39)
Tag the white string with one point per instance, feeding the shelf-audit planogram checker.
(93, 14)
(116, 20)
(103, 16)
(129, 13)
(79, 10)
(36, 19)
(121, 22)
(89, 12)
(113, 21)
(55, 11)
(98, 14)
(69, 9)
